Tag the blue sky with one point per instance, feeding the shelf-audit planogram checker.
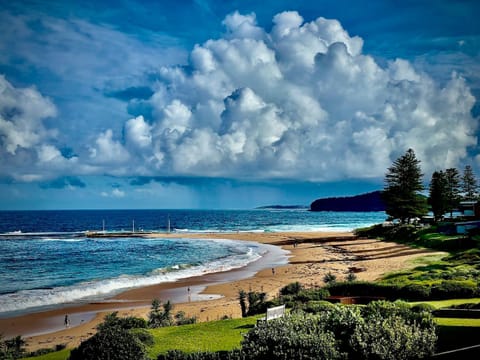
(230, 104)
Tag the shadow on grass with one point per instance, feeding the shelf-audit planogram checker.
(246, 326)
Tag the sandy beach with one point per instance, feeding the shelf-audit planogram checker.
(214, 296)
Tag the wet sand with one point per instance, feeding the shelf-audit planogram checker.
(214, 296)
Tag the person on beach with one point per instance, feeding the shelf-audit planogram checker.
(67, 321)
(273, 271)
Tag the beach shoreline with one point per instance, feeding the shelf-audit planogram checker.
(214, 296)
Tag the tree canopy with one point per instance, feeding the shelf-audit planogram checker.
(438, 194)
(403, 184)
(469, 184)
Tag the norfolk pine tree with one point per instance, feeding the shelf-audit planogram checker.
(438, 194)
(469, 184)
(403, 183)
(452, 177)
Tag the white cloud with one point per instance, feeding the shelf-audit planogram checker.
(115, 193)
(22, 111)
(138, 133)
(108, 151)
(301, 101)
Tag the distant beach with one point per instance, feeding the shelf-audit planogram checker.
(213, 296)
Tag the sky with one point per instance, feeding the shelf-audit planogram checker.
(230, 104)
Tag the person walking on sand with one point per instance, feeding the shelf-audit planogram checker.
(67, 321)
(273, 271)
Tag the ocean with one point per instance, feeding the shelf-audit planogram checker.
(46, 260)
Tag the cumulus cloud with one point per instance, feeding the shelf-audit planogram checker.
(299, 101)
(26, 149)
(22, 112)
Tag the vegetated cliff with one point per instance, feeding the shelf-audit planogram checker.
(365, 202)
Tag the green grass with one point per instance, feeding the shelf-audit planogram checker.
(57, 355)
(209, 336)
(458, 322)
(447, 303)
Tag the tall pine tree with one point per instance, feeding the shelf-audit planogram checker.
(469, 184)
(438, 195)
(452, 177)
(403, 184)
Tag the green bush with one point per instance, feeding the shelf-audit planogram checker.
(392, 338)
(219, 355)
(372, 232)
(112, 343)
(290, 338)
(401, 233)
(329, 278)
(181, 319)
(116, 339)
(393, 331)
(383, 309)
(257, 303)
(315, 307)
(160, 314)
(423, 308)
(13, 348)
(412, 292)
(130, 322)
(291, 289)
(144, 336)
(450, 289)
(342, 321)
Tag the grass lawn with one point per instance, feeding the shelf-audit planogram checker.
(209, 336)
(458, 322)
(57, 355)
(438, 304)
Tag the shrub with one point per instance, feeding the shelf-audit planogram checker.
(392, 338)
(423, 308)
(256, 303)
(341, 321)
(449, 289)
(291, 289)
(290, 338)
(351, 277)
(329, 278)
(220, 355)
(112, 343)
(13, 348)
(412, 292)
(181, 319)
(373, 232)
(401, 233)
(130, 322)
(242, 297)
(315, 307)
(384, 309)
(159, 317)
(144, 336)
